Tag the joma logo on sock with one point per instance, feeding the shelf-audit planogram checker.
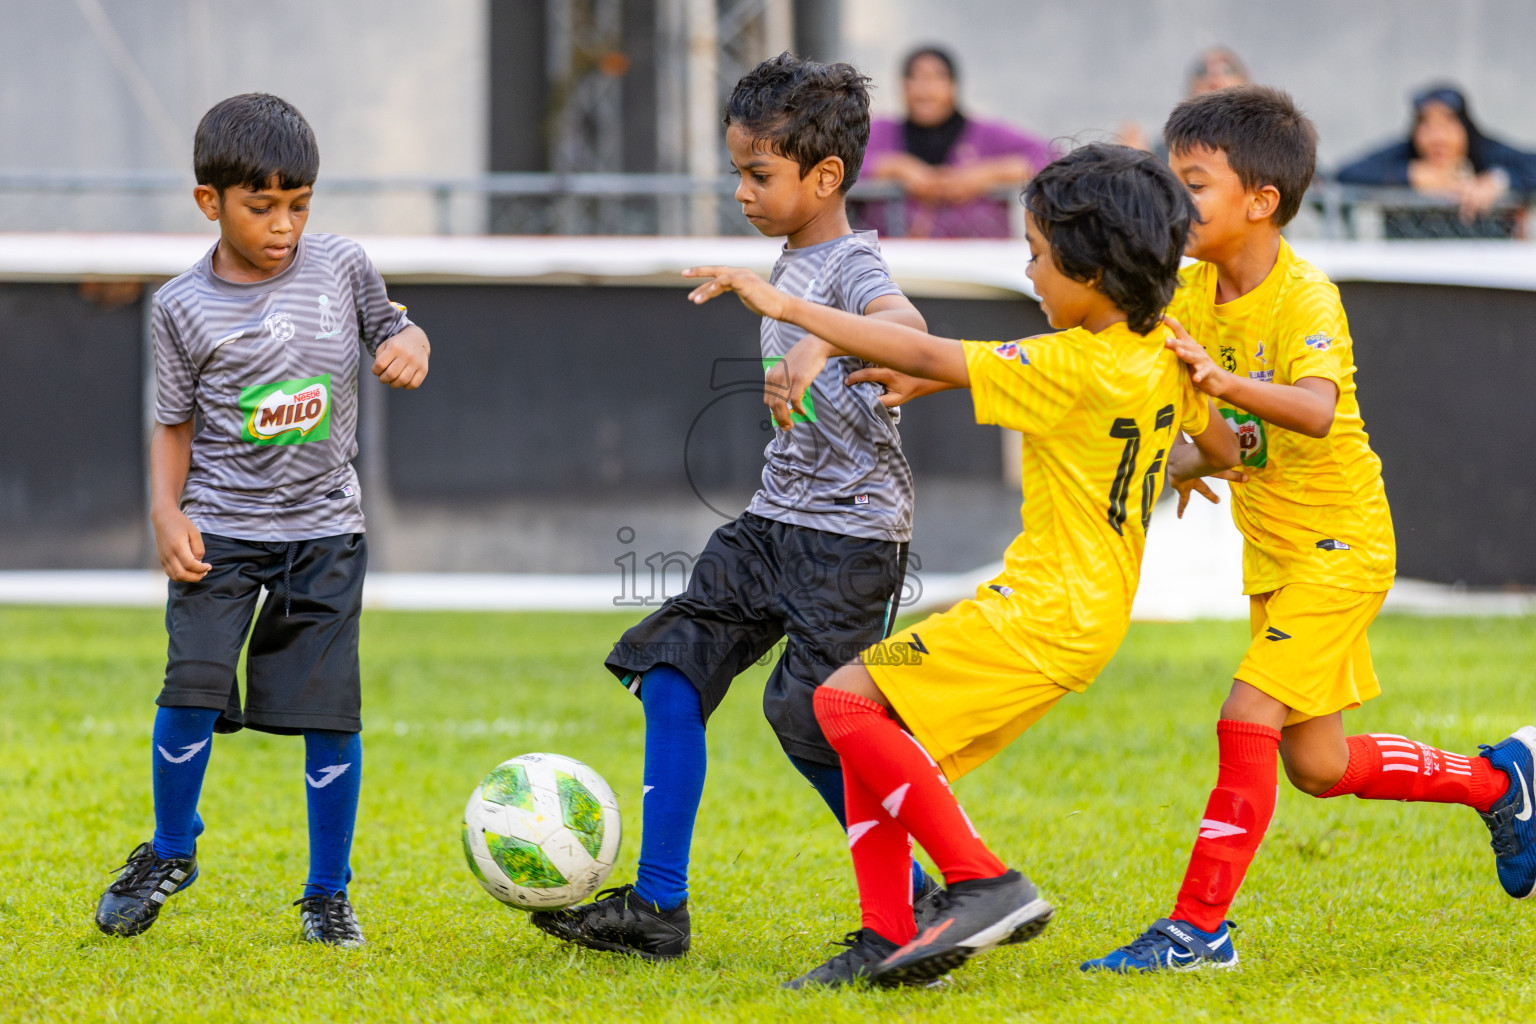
(190, 749)
(327, 775)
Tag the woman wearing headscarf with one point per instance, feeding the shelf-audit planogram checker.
(1446, 154)
(948, 163)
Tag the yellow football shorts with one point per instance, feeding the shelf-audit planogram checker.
(964, 693)
(1309, 649)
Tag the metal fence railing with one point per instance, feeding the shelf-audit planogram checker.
(506, 203)
(1356, 211)
(677, 204)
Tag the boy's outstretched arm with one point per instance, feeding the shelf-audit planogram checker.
(1306, 406)
(873, 338)
(785, 383)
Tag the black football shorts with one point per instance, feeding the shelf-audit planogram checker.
(758, 581)
(301, 671)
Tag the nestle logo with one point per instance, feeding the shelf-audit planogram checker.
(304, 396)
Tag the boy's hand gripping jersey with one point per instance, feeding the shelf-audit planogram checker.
(1314, 509)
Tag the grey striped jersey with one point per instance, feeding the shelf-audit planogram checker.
(269, 370)
(840, 468)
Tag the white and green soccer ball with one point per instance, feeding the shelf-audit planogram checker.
(541, 831)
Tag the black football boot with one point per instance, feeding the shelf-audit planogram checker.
(973, 917)
(329, 919)
(619, 921)
(131, 904)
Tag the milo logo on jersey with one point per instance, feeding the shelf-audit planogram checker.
(1250, 436)
(288, 412)
(809, 416)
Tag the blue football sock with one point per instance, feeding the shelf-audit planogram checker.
(181, 745)
(828, 782)
(675, 761)
(333, 775)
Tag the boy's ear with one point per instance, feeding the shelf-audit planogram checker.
(829, 176)
(208, 200)
(1263, 202)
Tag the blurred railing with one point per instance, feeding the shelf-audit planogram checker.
(507, 203)
(1368, 212)
(513, 203)
(677, 204)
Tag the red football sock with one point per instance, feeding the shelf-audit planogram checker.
(899, 772)
(1236, 818)
(1387, 767)
(882, 863)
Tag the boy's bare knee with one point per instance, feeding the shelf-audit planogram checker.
(1315, 753)
(1249, 704)
(855, 678)
(1315, 779)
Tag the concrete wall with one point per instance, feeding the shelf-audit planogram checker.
(392, 87)
(1071, 69)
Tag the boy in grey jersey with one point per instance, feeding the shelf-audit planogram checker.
(818, 557)
(846, 475)
(252, 486)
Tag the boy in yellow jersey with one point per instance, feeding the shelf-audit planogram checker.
(1267, 337)
(1100, 406)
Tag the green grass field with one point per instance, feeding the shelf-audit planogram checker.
(1353, 911)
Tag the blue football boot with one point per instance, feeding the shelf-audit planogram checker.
(1170, 946)
(1510, 820)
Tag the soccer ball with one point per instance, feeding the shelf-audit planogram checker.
(541, 831)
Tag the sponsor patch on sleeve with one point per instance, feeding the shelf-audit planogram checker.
(1011, 351)
(1318, 341)
(288, 412)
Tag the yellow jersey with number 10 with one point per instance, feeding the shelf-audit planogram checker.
(1314, 509)
(1099, 413)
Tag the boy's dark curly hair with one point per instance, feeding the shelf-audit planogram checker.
(1118, 219)
(1267, 139)
(805, 111)
(248, 139)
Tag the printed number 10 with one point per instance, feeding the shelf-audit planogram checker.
(1126, 429)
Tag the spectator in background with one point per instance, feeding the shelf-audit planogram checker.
(1215, 68)
(948, 164)
(1447, 155)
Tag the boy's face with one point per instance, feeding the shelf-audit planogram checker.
(1065, 302)
(774, 197)
(261, 226)
(1227, 208)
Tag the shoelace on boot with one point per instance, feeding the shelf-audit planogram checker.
(1147, 943)
(856, 951)
(1505, 842)
(614, 902)
(335, 914)
(850, 940)
(141, 874)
